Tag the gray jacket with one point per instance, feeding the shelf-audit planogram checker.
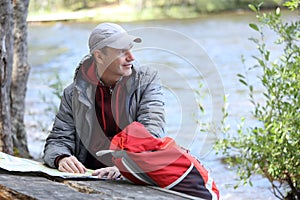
(76, 120)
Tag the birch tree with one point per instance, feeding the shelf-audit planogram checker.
(14, 71)
(6, 59)
(20, 74)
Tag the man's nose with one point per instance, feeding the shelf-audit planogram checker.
(129, 56)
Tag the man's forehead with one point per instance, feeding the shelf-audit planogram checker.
(124, 49)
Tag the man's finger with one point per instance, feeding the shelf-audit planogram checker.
(100, 172)
(80, 167)
(109, 172)
(77, 166)
(71, 165)
(66, 168)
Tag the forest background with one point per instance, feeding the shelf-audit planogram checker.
(133, 10)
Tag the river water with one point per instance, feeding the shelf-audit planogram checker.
(187, 53)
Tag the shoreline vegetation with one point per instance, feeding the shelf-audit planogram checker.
(128, 13)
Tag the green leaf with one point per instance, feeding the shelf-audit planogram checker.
(277, 12)
(267, 55)
(244, 82)
(260, 4)
(251, 88)
(241, 76)
(252, 7)
(254, 27)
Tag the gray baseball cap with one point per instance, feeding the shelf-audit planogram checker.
(111, 35)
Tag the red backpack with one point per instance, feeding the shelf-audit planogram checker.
(146, 160)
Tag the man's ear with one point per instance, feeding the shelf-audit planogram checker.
(98, 56)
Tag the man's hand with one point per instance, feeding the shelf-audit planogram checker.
(107, 172)
(71, 164)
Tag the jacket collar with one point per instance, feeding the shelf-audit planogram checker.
(86, 90)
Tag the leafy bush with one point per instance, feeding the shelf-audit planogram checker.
(272, 149)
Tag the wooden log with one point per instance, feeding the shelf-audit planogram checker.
(29, 186)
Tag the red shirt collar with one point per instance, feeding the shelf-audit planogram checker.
(89, 72)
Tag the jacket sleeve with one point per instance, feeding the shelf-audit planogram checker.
(61, 140)
(151, 106)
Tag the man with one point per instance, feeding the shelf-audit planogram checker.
(109, 92)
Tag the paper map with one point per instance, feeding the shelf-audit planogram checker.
(15, 164)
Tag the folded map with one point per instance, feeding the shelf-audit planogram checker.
(16, 164)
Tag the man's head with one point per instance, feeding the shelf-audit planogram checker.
(110, 35)
(111, 47)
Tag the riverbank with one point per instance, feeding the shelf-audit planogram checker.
(119, 13)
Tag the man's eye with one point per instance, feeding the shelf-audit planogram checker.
(122, 52)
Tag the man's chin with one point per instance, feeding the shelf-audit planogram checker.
(127, 72)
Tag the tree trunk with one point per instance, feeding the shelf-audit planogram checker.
(6, 58)
(20, 74)
(84, 4)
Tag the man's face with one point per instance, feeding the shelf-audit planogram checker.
(117, 62)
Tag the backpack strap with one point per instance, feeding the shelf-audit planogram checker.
(181, 178)
(104, 152)
(135, 170)
(131, 167)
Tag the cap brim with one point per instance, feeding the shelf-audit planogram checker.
(124, 42)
